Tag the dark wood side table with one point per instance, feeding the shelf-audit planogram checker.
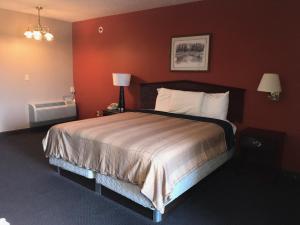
(261, 149)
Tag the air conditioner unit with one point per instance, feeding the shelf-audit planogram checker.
(51, 112)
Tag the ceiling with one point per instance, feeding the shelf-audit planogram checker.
(76, 10)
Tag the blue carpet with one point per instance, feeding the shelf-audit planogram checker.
(32, 193)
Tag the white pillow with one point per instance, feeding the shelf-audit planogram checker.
(163, 99)
(215, 105)
(186, 102)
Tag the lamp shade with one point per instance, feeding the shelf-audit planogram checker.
(270, 82)
(121, 79)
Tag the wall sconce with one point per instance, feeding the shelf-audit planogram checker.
(270, 82)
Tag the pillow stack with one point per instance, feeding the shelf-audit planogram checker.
(193, 103)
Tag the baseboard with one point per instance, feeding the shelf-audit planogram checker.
(36, 127)
(24, 130)
(15, 131)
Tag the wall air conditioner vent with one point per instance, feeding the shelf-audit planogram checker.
(51, 112)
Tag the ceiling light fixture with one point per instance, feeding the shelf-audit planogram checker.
(39, 32)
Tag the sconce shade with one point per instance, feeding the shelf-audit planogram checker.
(121, 79)
(270, 82)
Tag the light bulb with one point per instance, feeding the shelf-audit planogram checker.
(28, 34)
(37, 35)
(48, 36)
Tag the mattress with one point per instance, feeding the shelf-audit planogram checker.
(133, 192)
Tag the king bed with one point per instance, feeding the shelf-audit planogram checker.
(148, 156)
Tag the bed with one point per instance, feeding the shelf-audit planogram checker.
(147, 156)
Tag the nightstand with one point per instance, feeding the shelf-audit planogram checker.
(107, 112)
(261, 150)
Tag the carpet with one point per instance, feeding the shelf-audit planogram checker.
(32, 193)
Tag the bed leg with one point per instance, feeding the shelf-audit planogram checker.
(157, 216)
(58, 170)
(98, 188)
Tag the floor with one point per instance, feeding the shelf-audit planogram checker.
(32, 193)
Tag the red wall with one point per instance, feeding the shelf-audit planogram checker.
(249, 38)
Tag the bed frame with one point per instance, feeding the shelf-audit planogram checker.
(148, 95)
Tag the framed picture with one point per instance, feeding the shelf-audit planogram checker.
(190, 53)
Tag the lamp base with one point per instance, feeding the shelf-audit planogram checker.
(121, 100)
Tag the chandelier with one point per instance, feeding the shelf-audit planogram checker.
(39, 32)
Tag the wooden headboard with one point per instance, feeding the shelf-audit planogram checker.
(236, 97)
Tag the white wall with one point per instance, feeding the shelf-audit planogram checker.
(49, 65)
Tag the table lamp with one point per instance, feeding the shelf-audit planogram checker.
(122, 80)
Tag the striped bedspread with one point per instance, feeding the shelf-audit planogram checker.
(149, 150)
